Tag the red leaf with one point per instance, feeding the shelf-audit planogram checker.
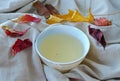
(13, 33)
(98, 35)
(20, 45)
(27, 19)
(102, 21)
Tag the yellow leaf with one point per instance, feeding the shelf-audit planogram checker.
(66, 16)
(77, 17)
(6, 28)
(53, 19)
(72, 16)
(91, 17)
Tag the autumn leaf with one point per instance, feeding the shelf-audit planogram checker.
(27, 19)
(20, 45)
(72, 16)
(102, 21)
(51, 9)
(53, 19)
(90, 16)
(41, 9)
(76, 79)
(14, 33)
(44, 9)
(66, 17)
(60, 18)
(98, 35)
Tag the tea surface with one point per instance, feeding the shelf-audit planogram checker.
(61, 48)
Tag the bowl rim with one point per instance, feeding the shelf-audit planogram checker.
(48, 60)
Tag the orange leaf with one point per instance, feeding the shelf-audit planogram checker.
(27, 19)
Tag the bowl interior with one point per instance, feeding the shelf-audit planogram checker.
(63, 29)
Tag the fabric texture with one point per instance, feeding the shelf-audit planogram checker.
(99, 65)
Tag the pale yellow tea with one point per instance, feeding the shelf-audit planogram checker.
(61, 48)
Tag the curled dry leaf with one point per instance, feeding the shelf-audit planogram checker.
(98, 35)
(27, 19)
(45, 10)
(41, 9)
(72, 16)
(51, 9)
(13, 33)
(102, 21)
(75, 79)
(20, 45)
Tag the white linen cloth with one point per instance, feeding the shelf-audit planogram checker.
(99, 65)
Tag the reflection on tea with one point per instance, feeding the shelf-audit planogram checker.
(61, 48)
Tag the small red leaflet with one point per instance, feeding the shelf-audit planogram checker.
(13, 33)
(102, 21)
(98, 35)
(20, 45)
(27, 19)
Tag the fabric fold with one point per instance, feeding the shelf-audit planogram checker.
(99, 65)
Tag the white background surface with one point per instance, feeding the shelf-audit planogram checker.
(99, 65)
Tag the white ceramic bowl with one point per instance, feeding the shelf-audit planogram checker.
(55, 29)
